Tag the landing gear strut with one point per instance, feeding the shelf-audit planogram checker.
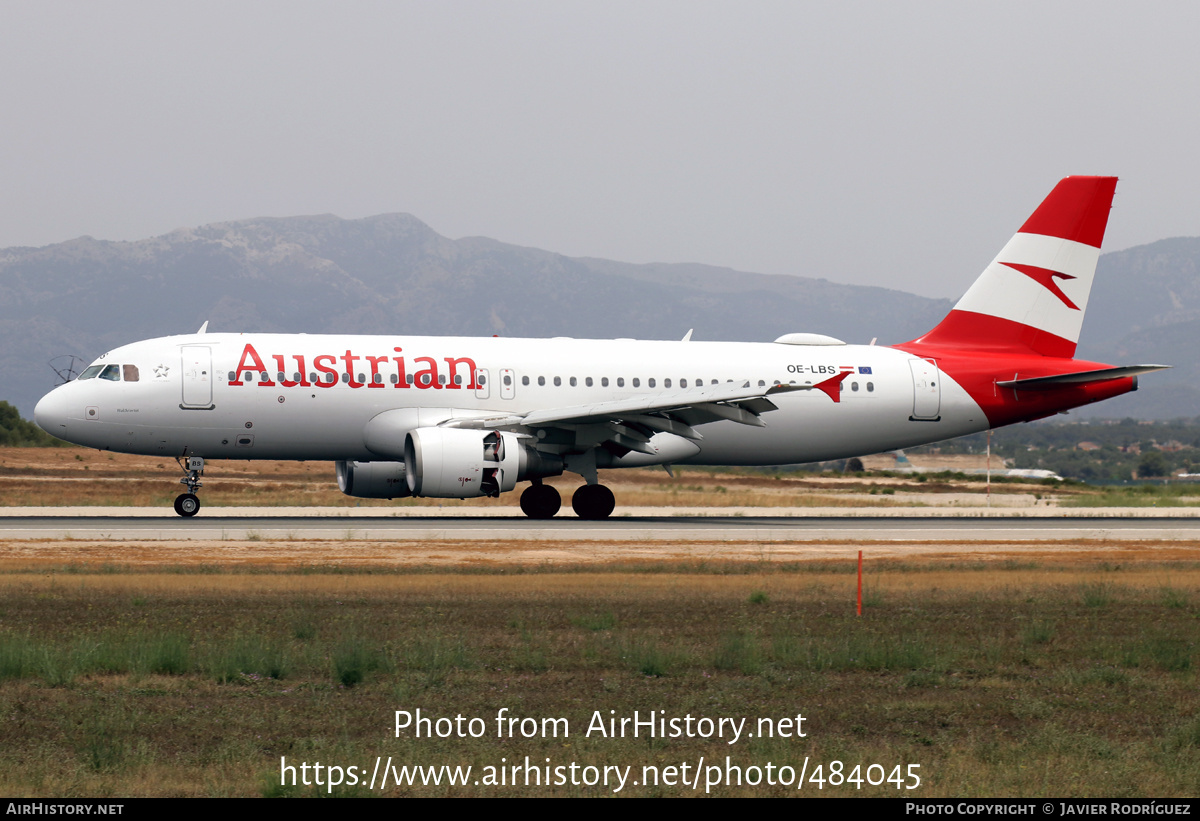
(540, 501)
(188, 504)
(593, 502)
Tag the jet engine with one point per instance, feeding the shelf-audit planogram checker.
(453, 463)
(373, 480)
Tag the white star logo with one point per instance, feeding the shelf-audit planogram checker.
(161, 371)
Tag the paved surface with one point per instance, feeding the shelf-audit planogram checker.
(479, 524)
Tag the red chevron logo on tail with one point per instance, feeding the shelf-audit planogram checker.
(1045, 278)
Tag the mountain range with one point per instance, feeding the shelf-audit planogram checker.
(394, 274)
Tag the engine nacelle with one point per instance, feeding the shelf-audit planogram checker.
(373, 480)
(452, 463)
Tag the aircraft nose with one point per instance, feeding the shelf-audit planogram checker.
(50, 413)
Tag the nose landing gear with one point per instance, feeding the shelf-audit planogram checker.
(188, 504)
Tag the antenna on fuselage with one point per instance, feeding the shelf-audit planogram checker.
(66, 367)
(203, 328)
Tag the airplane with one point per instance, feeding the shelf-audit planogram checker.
(458, 417)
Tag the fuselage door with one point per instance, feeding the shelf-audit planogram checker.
(927, 389)
(483, 380)
(197, 377)
(508, 383)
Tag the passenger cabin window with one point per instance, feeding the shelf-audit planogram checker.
(870, 387)
(666, 383)
(637, 383)
(620, 381)
(541, 381)
(650, 382)
(588, 381)
(574, 382)
(524, 380)
(604, 381)
(130, 372)
(557, 381)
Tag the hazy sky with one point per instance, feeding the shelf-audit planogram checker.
(889, 143)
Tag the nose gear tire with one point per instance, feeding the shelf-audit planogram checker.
(187, 504)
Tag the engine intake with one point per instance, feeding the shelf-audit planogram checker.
(452, 463)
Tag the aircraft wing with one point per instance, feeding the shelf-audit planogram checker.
(631, 422)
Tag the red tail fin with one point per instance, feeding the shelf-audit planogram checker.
(1032, 297)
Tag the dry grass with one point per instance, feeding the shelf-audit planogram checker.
(1012, 679)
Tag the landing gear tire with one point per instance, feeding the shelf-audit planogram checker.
(593, 502)
(187, 504)
(540, 501)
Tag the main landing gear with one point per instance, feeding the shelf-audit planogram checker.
(592, 502)
(188, 504)
(540, 501)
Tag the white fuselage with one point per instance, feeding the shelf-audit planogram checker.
(268, 396)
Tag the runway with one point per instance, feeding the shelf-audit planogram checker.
(478, 525)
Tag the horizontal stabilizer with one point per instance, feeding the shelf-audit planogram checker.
(1080, 378)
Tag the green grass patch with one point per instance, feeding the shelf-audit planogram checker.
(996, 681)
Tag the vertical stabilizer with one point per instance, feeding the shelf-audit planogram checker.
(1032, 297)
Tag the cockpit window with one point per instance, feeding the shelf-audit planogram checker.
(91, 372)
(111, 373)
(130, 372)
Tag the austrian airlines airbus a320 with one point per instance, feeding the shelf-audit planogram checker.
(455, 417)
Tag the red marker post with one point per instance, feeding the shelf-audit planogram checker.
(860, 582)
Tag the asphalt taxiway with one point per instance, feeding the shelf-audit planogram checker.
(647, 524)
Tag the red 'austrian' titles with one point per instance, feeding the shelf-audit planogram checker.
(431, 376)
